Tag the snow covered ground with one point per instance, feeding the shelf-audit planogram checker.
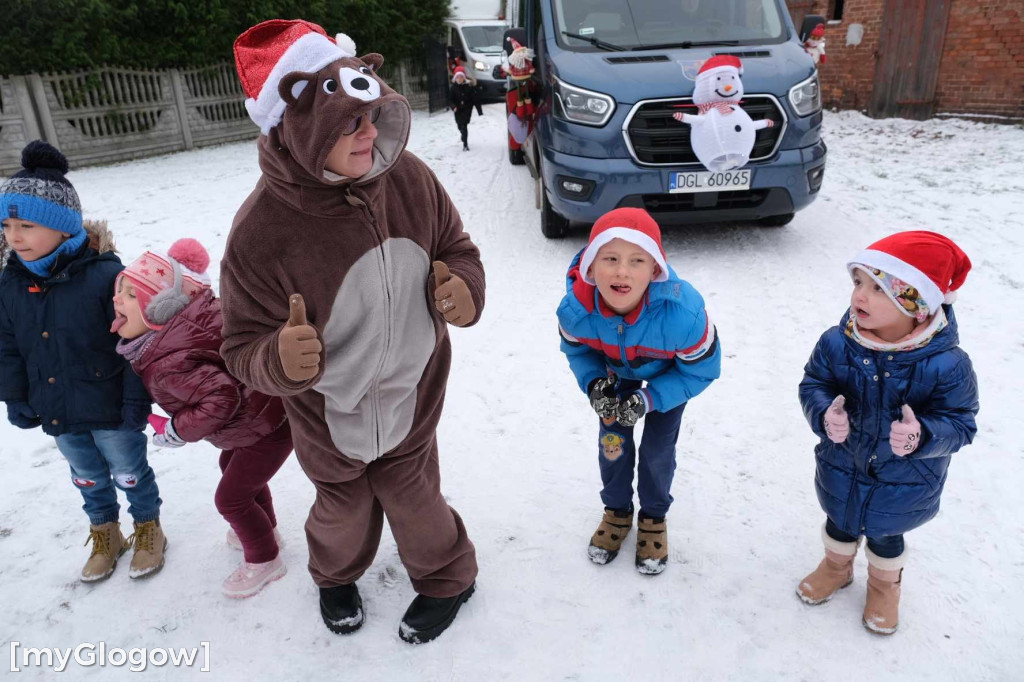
(518, 453)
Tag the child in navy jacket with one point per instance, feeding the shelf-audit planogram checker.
(892, 397)
(58, 364)
(627, 319)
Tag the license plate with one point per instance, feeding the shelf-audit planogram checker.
(708, 181)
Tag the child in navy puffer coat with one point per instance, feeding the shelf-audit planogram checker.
(892, 397)
(641, 345)
(58, 366)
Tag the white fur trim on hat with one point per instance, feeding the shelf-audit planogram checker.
(626, 234)
(309, 53)
(897, 268)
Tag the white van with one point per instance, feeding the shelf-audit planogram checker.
(477, 44)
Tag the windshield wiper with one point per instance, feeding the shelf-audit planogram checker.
(595, 42)
(687, 44)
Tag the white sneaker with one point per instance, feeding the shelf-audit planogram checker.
(248, 579)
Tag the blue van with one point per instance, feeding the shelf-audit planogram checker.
(610, 74)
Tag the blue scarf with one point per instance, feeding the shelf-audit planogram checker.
(41, 267)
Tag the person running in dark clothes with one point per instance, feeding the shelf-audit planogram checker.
(464, 97)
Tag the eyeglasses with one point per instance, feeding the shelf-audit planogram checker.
(354, 124)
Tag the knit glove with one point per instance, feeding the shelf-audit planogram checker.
(905, 434)
(603, 397)
(837, 423)
(630, 410)
(297, 344)
(133, 416)
(166, 436)
(451, 296)
(22, 415)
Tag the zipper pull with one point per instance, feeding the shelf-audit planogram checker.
(620, 330)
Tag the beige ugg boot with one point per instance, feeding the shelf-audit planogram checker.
(882, 608)
(607, 539)
(150, 544)
(651, 545)
(833, 573)
(108, 544)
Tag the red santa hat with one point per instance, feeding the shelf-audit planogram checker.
(819, 31)
(930, 262)
(269, 51)
(720, 62)
(459, 70)
(633, 225)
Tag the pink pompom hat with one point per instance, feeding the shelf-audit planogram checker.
(167, 282)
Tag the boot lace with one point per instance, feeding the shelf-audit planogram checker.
(100, 545)
(143, 536)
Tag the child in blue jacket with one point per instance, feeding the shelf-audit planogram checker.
(892, 397)
(58, 364)
(627, 319)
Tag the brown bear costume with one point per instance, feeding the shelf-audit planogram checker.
(359, 251)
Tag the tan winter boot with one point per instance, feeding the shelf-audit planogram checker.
(150, 544)
(882, 609)
(108, 544)
(651, 545)
(607, 539)
(833, 573)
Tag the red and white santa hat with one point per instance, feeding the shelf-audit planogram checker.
(458, 70)
(930, 262)
(819, 31)
(633, 225)
(720, 62)
(269, 51)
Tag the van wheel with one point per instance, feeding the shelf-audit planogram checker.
(776, 220)
(515, 157)
(552, 225)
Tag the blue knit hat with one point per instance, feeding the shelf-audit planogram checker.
(39, 193)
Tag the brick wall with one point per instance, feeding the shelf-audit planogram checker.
(982, 65)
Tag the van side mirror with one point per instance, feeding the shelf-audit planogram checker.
(498, 73)
(808, 24)
(517, 34)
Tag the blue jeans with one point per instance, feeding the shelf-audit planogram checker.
(101, 460)
(657, 466)
(888, 547)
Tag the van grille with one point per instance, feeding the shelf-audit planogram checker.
(655, 138)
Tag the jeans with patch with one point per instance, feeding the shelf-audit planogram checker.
(657, 461)
(102, 461)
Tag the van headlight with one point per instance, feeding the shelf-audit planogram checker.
(577, 105)
(806, 96)
(480, 66)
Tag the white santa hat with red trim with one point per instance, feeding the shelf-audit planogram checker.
(928, 261)
(633, 225)
(269, 51)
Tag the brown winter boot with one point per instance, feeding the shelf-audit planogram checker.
(150, 544)
(833, 573)
(882, 609)
(607, 539)
(108, 544)
(651, 545)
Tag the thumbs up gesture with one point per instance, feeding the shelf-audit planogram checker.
(451, 296)
(297, 343)
(837, 423)
(905, 433)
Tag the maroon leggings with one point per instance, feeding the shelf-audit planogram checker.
(243, 496)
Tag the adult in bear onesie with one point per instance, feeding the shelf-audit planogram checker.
(341, 272)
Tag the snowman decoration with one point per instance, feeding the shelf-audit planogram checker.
(722, 134)
(815, 44)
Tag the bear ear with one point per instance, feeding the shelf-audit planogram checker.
(293, 84)
(373, 60)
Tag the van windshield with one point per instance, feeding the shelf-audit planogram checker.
(485, 39)
(636, 24)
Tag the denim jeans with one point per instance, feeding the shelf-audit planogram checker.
(888, 547)
(657, 464)
(103, 460)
